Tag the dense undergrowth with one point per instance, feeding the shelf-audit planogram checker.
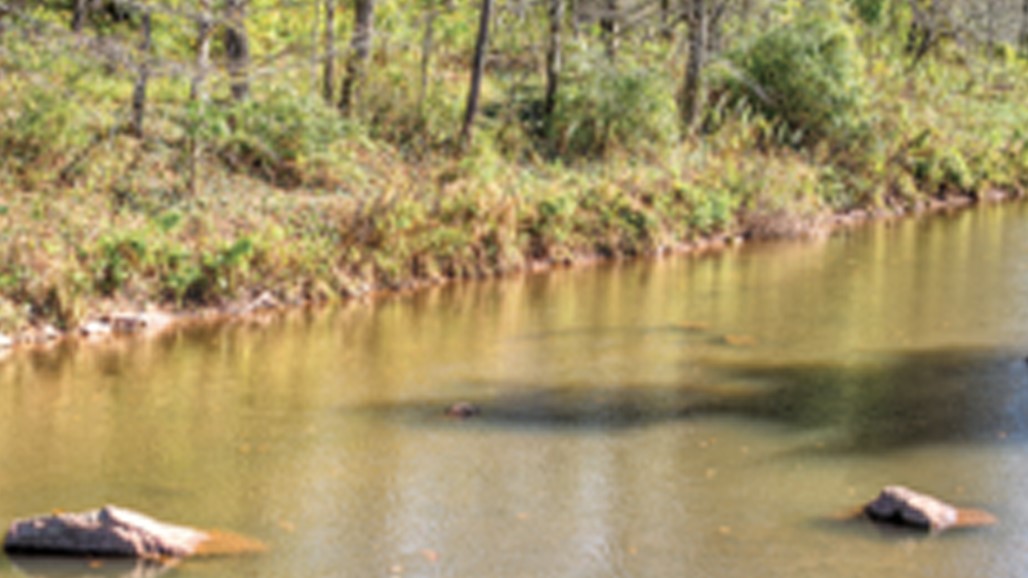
(807, 118)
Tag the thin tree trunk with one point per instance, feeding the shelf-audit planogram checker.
(667, 20)
(574, 9)
(197, 92)
(204, 28)
(237, 47)
(329, 81)
(990, 27)
(5, 12)
(692, 91)
(553, 58)
(715, 17)
(477, 71)
(427, 45)
(610, 29)
(1023, 37)
(139, 92)
(360, 50)
(79, 14)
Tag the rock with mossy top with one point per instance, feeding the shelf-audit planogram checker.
(117, 532)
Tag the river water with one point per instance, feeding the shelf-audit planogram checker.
(709, 416)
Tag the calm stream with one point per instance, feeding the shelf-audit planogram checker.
(687, 417)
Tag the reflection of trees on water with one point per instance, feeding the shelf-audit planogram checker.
(876, 403)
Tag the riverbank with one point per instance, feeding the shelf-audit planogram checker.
(281, 202)
(113, 320)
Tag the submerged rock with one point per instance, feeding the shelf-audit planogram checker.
(138, 322)
(118, 532)
(6, 342)
(903, 506)
(463, 409)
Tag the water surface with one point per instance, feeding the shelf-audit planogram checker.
(687, 417)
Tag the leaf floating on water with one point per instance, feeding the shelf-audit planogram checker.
(739, 340)
(430, 555)
(221, 543)
(287, 526)
(693, 325)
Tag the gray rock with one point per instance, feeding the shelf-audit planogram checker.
(903, 506)
(109, 531)
(6, 342)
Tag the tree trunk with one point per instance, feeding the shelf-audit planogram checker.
(139, 92)
(79, 14)
(553, 58)
(692, 91)
(477, 71)
(667, 20)
(609, 28)
(1023, 37)
(427, 43)
(990, 28)
(360, 50)
(575, 10)
(197, 93)
(329, 81)
(237, 47)
(715, 17)
(204, 27)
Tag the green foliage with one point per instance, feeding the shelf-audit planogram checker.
(279, 137)
(871, 12)
(603, 108)
(807, 74)
(46, 130)
(120, 255)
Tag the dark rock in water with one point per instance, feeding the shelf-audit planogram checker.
(110, 531)
(903, 506)
(463, 410)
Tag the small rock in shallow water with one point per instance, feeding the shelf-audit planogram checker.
(109, 531)
(6, 342)
(903, 506)
(463, 410)
(117, 532)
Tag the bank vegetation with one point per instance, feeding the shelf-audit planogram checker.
(197, 153)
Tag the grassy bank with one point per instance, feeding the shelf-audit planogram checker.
(295, 200)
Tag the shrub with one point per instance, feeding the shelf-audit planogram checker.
(602, 107)
(806, 74)
(279, 137)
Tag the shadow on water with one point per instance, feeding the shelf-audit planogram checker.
(73, 567)
(876, 403)
(896, 400)
(574, 407)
